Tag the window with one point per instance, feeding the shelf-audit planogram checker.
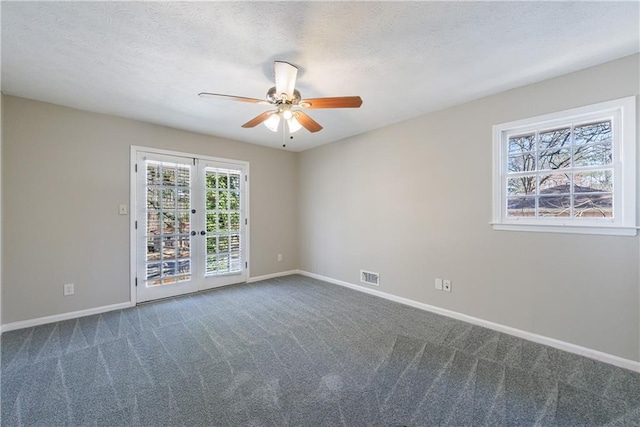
(572, 171)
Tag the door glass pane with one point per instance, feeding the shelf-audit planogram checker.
(168, 222)
(224, 251)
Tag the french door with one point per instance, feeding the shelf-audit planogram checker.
(190, 225)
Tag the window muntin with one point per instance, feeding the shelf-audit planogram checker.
(568, 170)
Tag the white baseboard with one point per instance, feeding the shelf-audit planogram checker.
(64, 316)
(540, 339)
(271, 276)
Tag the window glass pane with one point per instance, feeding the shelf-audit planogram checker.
(234, 181)
(223, 244)
(184, 219)
(234, 200)
(592, 155)
(592, 133)
(168, 174)
(554, 159)
(153, 248)
(168, 222)
(223, 200)
(184, 178)
(555, 139)
(521, 186)
(184, 247)
(593, 205)
(184, 266)
(235, 222)
(223, 222)
(521, 206)
(153, 270)
(153, 223)
(521, 144)
(212, 246)
(212, 222)
(222, 263)
(168, 198)
(223, 179)
(153, 198)
(183, 198)
(234, 263)
(594, 181)
(168, 247)
(211, 199)
(235, 243)
(556, 183)
(211, 263)
(169, 268)
(210, 179)
(153, 173)
(554, 206)
(522, 163)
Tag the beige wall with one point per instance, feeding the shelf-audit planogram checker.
(413, 202)
(65, 172)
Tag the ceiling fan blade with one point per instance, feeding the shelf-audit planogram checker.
(232, 98)
(306, 121)
(337, 102)
(258, 119)
(285, 75)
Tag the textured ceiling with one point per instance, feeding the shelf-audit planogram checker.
(149, 60)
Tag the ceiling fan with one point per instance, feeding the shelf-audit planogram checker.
(288, 102)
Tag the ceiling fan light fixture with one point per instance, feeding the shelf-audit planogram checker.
(287, 114)
(273, 122)
(294, 125)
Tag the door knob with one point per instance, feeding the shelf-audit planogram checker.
(202, 233)
(193, 233)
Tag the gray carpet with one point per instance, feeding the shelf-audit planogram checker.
(300, 352)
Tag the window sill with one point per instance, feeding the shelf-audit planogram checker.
(572, 229)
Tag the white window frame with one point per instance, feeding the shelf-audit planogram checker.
(622, 112)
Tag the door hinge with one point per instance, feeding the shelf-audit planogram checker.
(194, 161)
(136, 167)
(246, 264)
(136, 225)
(136, 282)
(245, 178)
(246, 221)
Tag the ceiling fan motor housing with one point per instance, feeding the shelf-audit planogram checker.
(275, 98)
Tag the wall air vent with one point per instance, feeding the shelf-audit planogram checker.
(370, 278)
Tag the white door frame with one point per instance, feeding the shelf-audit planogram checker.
(133, 200)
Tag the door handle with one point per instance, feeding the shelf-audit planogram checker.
(193, 233)
(202, 233)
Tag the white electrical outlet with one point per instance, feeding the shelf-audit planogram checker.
(279, 257)
(67, 289)
(446, 285)
(439, 284)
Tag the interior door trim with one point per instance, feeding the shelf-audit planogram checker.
(135, 149)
